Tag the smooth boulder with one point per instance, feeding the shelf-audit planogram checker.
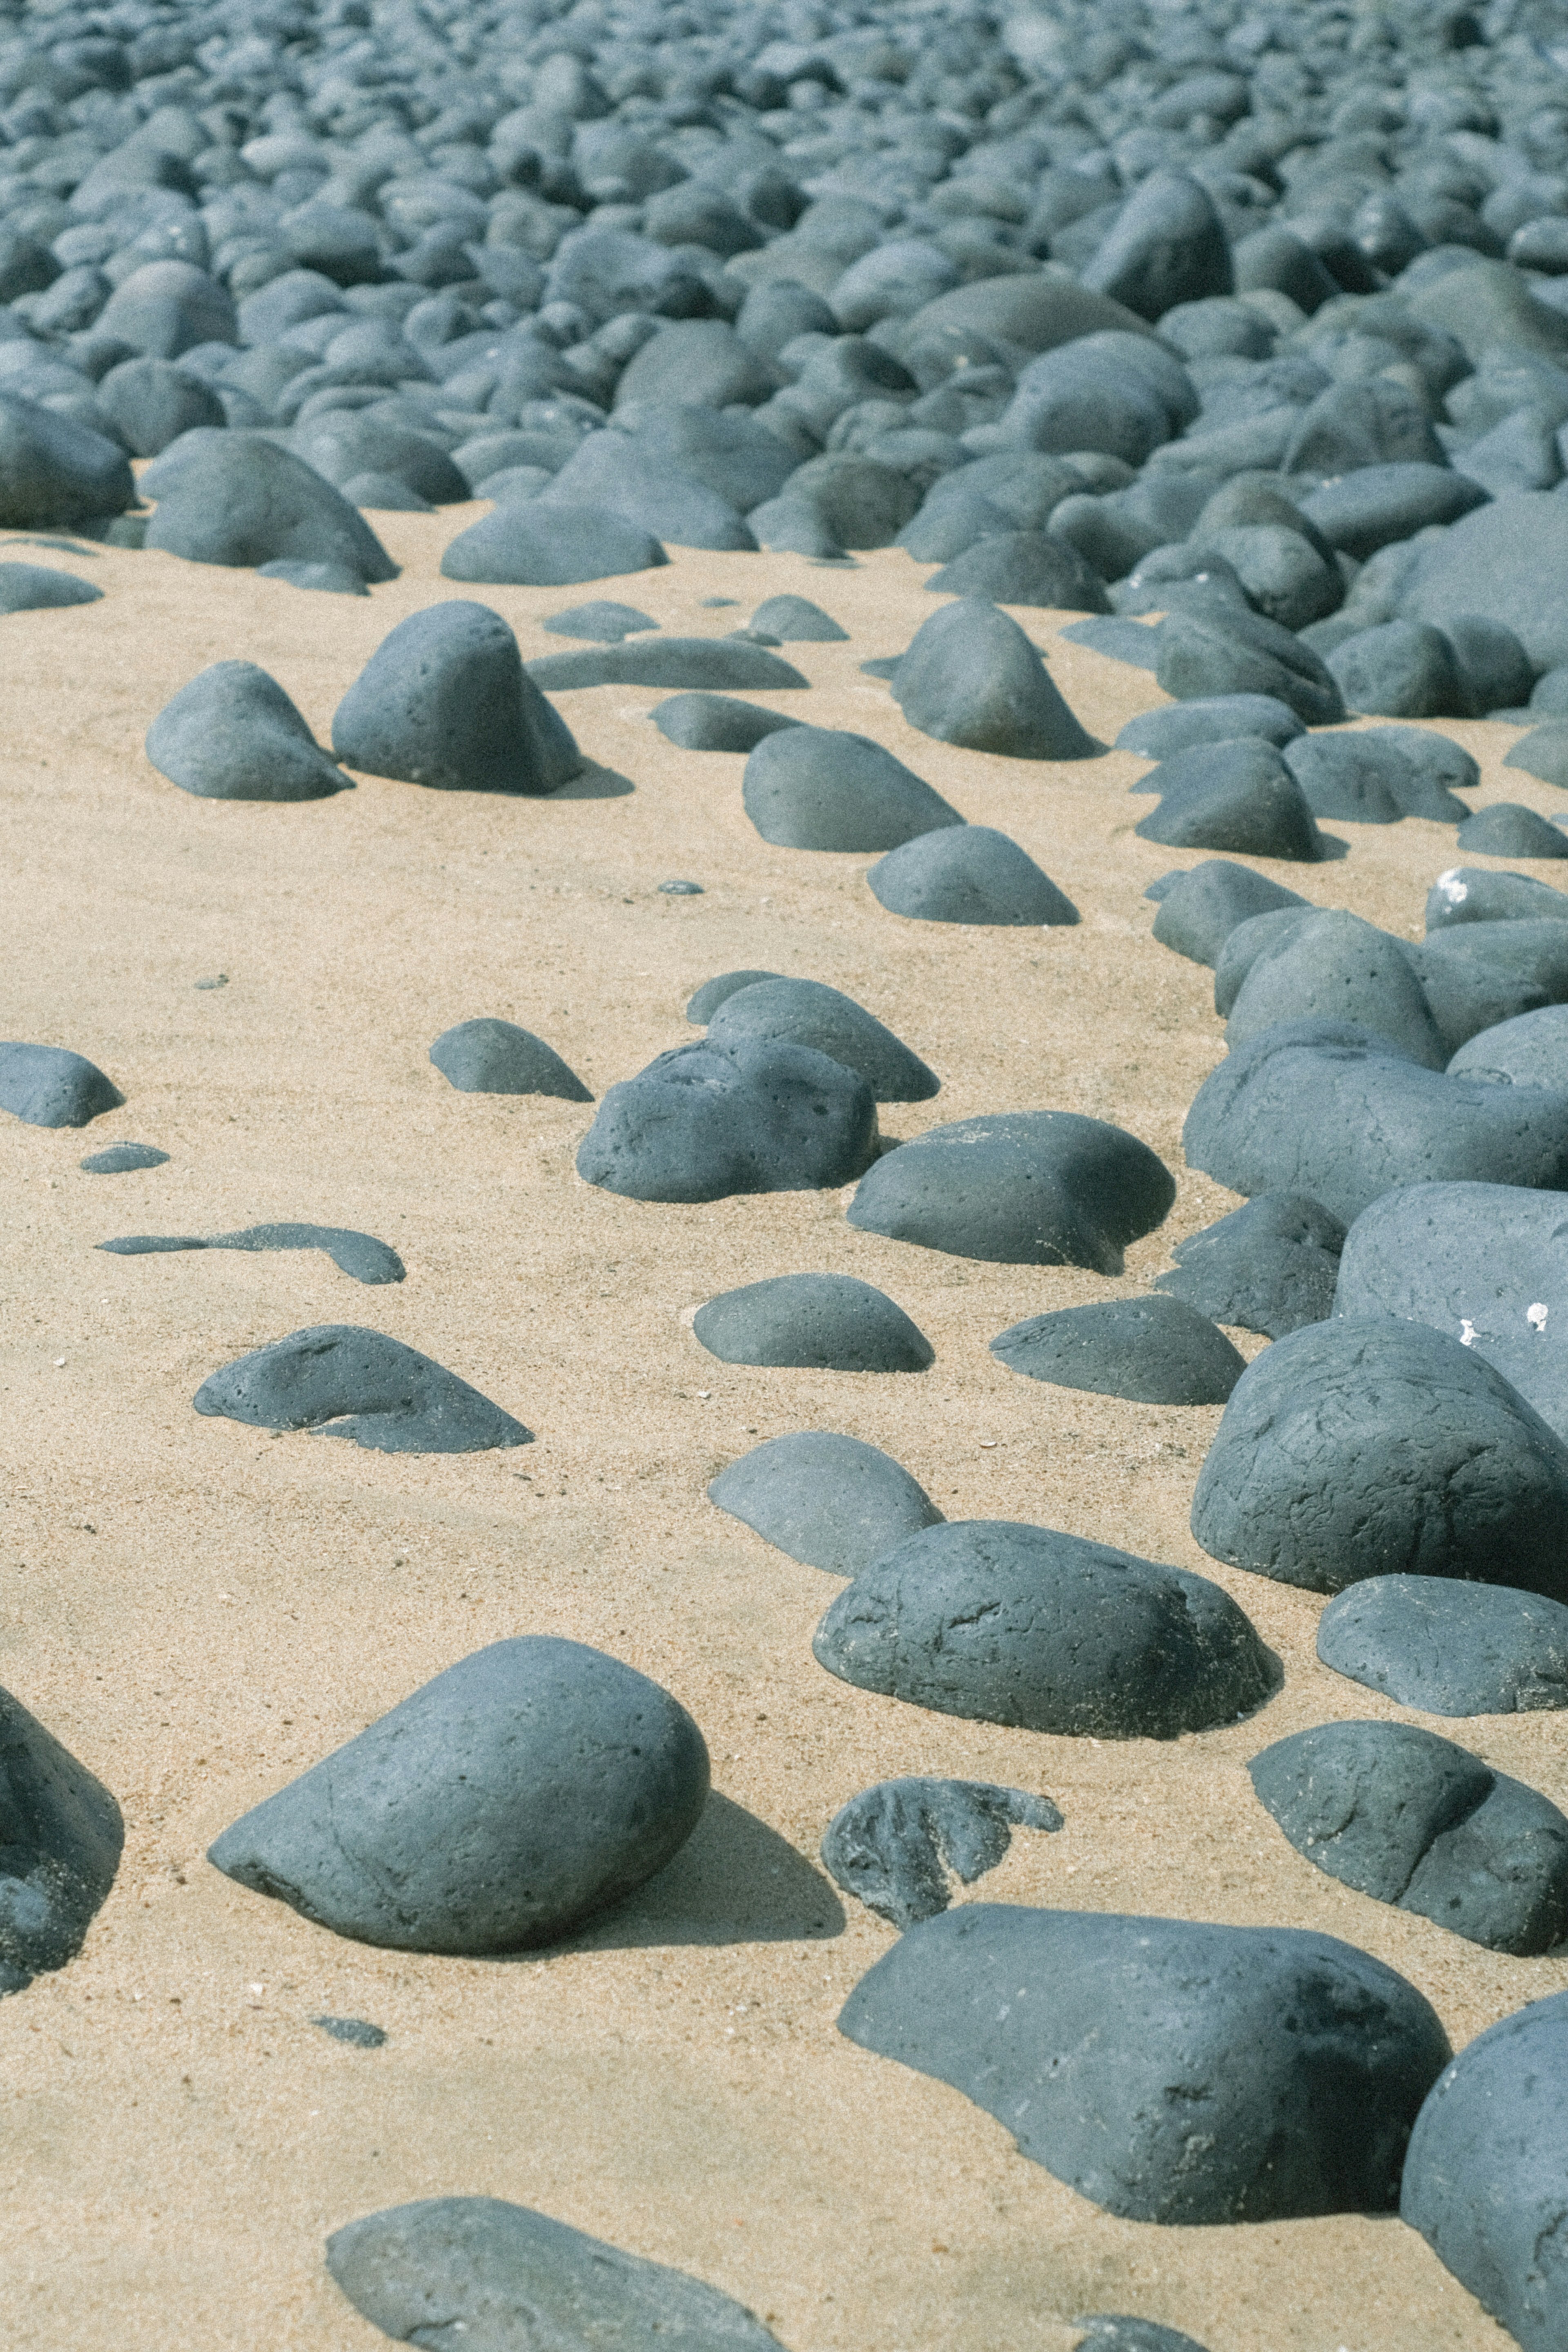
(807, 1013)
(828, 1501)
(830, 1322)
(1449, 1649)
(716, 722)
(63, 1838)
(1199, 909)
(47, 1085)
(523, 544)
(970, 677)
(1156, 1351)
(233, 734)
(237, 499)
(1270, 1267)
(445, 701)
(55, 470)
(340, 1380)
(968, 874)
(699, 1124)
(496, 1057)
(817, 788)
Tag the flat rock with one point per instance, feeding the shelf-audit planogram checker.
(893, 1846)
(1474, 894)
(700, 1124)
(1449, 1649)
(320, 579)
(49, 1086)
(1216, 719)
(1362, 1447)
(829, 1321)
(236, 498)
(1412, 1819)
(796, 621)
(522, 1791)
(496, 1057)
(341, 1381)
(827, 1501)
(704, 1002)
(716, 722)
(521, 544)
(1203, 905)
(602, 623)
(704, 662)
(817, 788)
(1332, 966)
(355, 1253)
(807, 1012)
(445, 700)
(1270, 1267)
(232, 734)
(1023, 1188)
(63, 1841)
(38, 587)
(970, 677)
(1151, 1350)
(1508, 829)
(357, 2033)
(1002, 1622)
(1530, 1050)
(968, 874)
(121, 1159)
(1090, 2035)
(507, 2279)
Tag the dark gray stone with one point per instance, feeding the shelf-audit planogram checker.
(1476, 975)
(1494, 671)
(356, 2032)
(827, 1501)
(703, 662)
(1151, 1350)
(1472, 893)
(237, 499)
(445, 701)
(830, 1322)
(343, 445)
(796, 621)
(47, 1085)
(1120, 2332)
(510, 2280)
(496, 1057)
(705, 1001)
(1508, 829)
(716, 722)
(63, 1836)
(1366, 1447)
(1220, 718)
(1234, 796)
(1245, 943)
(326, 579)
(120, 1158)
(1359, 777)
(1372, 506)
(807, 1012)
(603, 624)
(524, 545)
(1231, 651)
(1270, 1267)
(1400, 669)
(1530, 1050)
(1001, 1622)
(1025, 1188)
(167, 308)
(1544, 753)
(1332, 966)
(1123, 641)
(1412, 1819)
(342, 1380)
(893, 1846)
(1443, 768)
(968, 874)
(1202, 906)
(1023, 567)
(38, 587)
(699, 1124)
(614, 473)
(1092, 2036)
(1167, 246)
(232, 734)
(1506, 562)
(55, 469)
(1449, 1649)
(359, 1254)
(522, 1791)
(816, 788)
(970, 677)
(150, 402)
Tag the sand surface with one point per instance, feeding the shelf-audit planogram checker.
(200, 1611)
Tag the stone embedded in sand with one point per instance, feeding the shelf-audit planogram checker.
(38, 587)
(1023, 567)
(522, 1791)
(602, 623)
(705, 1001)
(1092, 2037)
(237, 499)
(1023, 1187)
(796, 621)
(1232, 651)
(320, 579)
(829, 1321)
(1001, 1622)
(49, 1086)
(120, 1158)
(817, 788)
(1412, 1819)
(524, 545)
(1508, 829)
(342, 1380)
(1473, 893)
(1270, 1267)
(699, 1124)
(716, 722)
(232, 734)
(892, 1846)
(1111, 2331)
(1152, 1351)
(1356, 776)
(1236, 796)
(702, 662)
(807, 1012)
(445, 700)
(62, 1840)
(1221, 719)
(1530, 1050)
(356, 2032)
(968, 874)
(506, 2279)
(1544, 753)
(356, 1253)
(1476, 975)
(827, 1501)
(1449, 1649)
(496, 1057)
(1202, 906)
(970, 677)
(1332, 966)
(1362, 1447)
(54, 469)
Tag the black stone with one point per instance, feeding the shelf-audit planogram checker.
(1332, 966)
(1476, 975)
(1403, 669)
(233, 734)
(893, 1846)
(1168, 246)
(816, 788)
(699, 1124)
(704, 662)
(151, 402)
(1361, 776)
(1270, 1267)
(120, 1159)
(716, 722)
(49, 1086)
(496, 1057)
(1202, 906)
(827, 1501)
(830, 1322)
(603, 624)
(1234, 796)
(342, 1380)
(970, 677)
(54, 469)
(63, 1837)
(237, 499)
(1449, 1649)
(1151, 1350)
(359, 1254)
(1530, 1050)
(445, 700)
(807, 1012)
(968, 874)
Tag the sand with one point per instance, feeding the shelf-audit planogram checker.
(199, 1611)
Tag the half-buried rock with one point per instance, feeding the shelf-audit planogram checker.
(893, 1846)
(1235, 796)
(47, 1085)
(358, 1255)
(1151, 1350)
(814, 788)
(232, 734)
(704, 1002)
(496, 1057)
(716, 722)
(1023, 567)
(1027, 1187)
(1230, 651)
(968, 874)
(124, 1159)
(830, 1322)
(807, 1013)
(521, 544)
(1002, 1622)
(1119, 2331)
(1475, 894)
(701, 1123)
(342, 1380)
(971, 676)
(1200, 908)
(1371, 1448)
(238, 499)
(1269, 1268)
(1508, 829)
(519, 1793)
(38, 587)
(1327, 965)
(1099, 2041)
(1449, 1649)
(602, 622)
(827, 1501)
(1410, 1818)
(62, 1840)
(706, 663)
(503, 2278)
(445, 700)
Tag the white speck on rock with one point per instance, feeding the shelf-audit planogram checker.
(1536, 1316)
(1453, 890)
(1467, 1332)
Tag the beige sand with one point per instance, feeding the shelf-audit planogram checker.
(200, 1611)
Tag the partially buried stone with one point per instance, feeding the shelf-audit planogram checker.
(1151, 1350)
(357, 2032)
(1092, 2037)
(705, 1001)
(521, 544)
(237, 499)
(55, 470)
(705, 662)
(1027, 1187)
(1270, 1267)
(1121, 2332)
(817, 788)
(506, 2279)
(1361, 776)
(680, 889)
(1442, 769)
(1330, 966)
(968, 874)
(1508, 829)
(1473, 893)
(63, 1838)
(1403, 669)
(827, 1501)
(232, 734)
(1449, 1649)
(1222, 652)
(1544, 753)
(38, 587)
(716, 722)
(496, 1057)
(1217, 719)
(1476, 975)
(1203, 905)
(605, 624)
(517, 1795)
(1023, 567)
(830, 1322)
(807, 1013)
(892, 1846)
(47, 1085)
(445, 700)
(1001, 1622)
(322, 578)
(1530, 1050)
(970, 677)
(1234, 796)
(701, 1123)
(796, 621)
(341, 1381)
(120, 1158)
(1412, 1819)
(359, 1254)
